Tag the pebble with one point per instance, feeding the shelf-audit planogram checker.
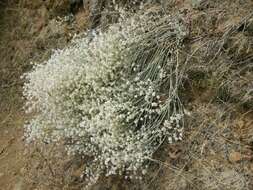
(235, 157)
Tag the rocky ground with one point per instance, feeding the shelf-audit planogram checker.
(217, 150)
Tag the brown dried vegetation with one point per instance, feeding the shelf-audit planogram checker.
(217, 150)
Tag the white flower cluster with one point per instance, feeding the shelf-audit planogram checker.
(112, 97)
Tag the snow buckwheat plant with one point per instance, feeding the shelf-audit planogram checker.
(112, 97)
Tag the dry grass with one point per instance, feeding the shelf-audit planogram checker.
(217, 150)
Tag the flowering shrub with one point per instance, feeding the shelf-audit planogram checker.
(112, 97)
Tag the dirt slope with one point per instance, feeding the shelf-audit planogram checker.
(218, 149)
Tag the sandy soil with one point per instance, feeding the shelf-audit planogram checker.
(218, 151)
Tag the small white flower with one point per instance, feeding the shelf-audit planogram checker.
(87, 93)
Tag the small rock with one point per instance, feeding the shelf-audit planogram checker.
(1, 175)
(235, 157)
